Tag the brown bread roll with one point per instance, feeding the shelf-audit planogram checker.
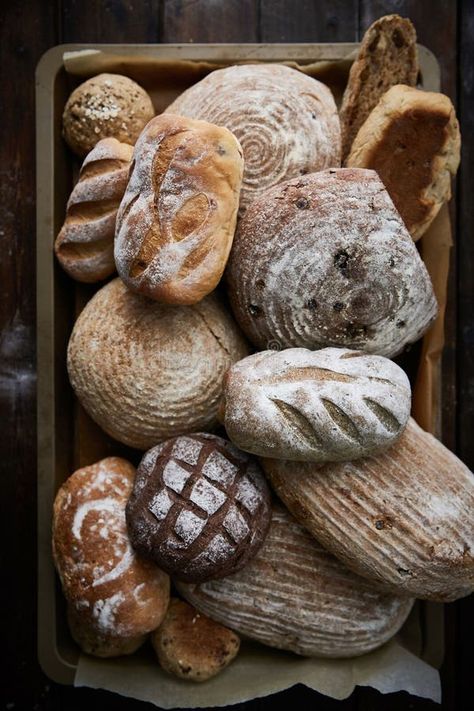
(85, 244)
(177, 218)
(114, 598)
(146, 372)
(294, 595)
(286, 122)
(412, 140)
(325, 260)
(200, 508)
(192, 646)
(387, 56)
(403, 519)
(105, 106)
(320, 406)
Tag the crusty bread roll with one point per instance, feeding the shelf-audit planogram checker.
(320, 406)
(403, 519)
(105, 106)
(387, 56)
(294, 595)
(325, 260)
(114, 598)
(412, 140)
(177, 218)
(146, 372)
(286, 122)
(85, 244)
(192, 646)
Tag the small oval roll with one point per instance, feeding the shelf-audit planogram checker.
(294, 595)
(177, 219)
(114, 598)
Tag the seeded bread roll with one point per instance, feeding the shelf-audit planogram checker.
(403, 519)
(105, 106)
(320, 406)
(294, 595)
(146, 372)
(387, 56)
(177, 218)
(192, 646)
(325, 260)
(85, 244)
(412, 140)
(286, 122)
(114, 598)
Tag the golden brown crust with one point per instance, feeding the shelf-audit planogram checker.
(192, 646)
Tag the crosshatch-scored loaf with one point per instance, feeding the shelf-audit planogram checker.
(114, 598)
(325, 260)
(177, 218)
(146, 371)
(200, 508)
(403, 519)
(412, 140)
(329, 405)
(85, 244)
(294, 595)
(387, 56)
(286, 122)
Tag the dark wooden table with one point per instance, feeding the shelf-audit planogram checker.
(29, 28)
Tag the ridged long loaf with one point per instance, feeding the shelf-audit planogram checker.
(294, 595)
(403, 519)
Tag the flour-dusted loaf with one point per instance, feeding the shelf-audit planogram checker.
(177, 218)
(412, 139)
(329, 405)
(114, 598)
(286, 122)
(145, 371)
(105, 106)
(200, 508)
(294, 595)
(387, 56)
(403, 519)
(85, 244)
(192, 646)
(325, 260)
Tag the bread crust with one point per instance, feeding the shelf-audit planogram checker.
(412, 140)
(177, 219)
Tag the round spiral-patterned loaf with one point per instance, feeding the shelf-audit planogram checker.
(325, 260)
(285, 121)
(145, 371)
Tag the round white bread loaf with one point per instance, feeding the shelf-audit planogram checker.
(146, 372)
(325, 260)
(294, 595)
(320, 406)
(286, 122)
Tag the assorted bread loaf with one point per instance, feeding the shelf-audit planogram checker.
(325, 280)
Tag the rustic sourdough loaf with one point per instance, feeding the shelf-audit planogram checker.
(294, 595)
(387, 56)
(177, 218)
(145, 371)
(114, 598)
(85, 244)
(412, 139)
(403, 519)
(286, 122)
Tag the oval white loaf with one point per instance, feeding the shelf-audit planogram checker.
(327, 405)
(403, 519)
(146, 372)
(294, 595)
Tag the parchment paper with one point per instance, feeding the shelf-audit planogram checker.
(259, 671)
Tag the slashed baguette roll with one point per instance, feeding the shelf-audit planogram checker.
(403, 519)
(294, 595)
